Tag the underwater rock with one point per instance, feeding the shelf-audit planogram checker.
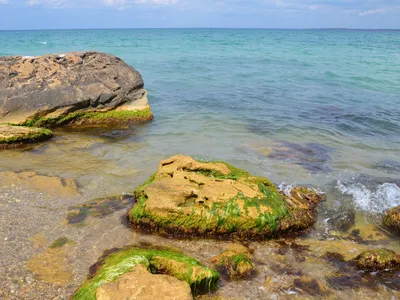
(98, 208)
(391, 219)
(52, 264)
(388, 165)
(236, 260)
(311, 286)
(379, 259)
(313, 157)
(186, 197)
(113, 266)
(72, 88)
(16, 136)
(52, 185)
(140, 284)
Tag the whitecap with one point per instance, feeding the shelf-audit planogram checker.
(286, 188)
(385, 196)
(43, 43)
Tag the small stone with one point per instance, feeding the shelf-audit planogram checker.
(236, 260)
(379, 259)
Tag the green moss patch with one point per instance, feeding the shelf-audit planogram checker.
(166, 262)
(11, 136)
(60, 242)
(91, 118)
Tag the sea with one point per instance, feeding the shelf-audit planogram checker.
(301, 107)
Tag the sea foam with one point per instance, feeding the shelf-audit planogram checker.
(384, 197)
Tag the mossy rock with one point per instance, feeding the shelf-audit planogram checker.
(236, 261)
(379, 259)
(391, 219)
(15, 136)
(78, 118)
(167, 262)
(190, 198)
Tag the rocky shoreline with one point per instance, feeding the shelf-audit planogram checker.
(194, 229)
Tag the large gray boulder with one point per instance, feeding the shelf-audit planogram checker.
(71, 88)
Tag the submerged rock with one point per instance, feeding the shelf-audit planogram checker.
(313, 157)
(113, 267)
(52, 264)
(15, 136)
(236, 260)
(72, 88)
(186, 197)
(98, 208)
(52, 185)
(140, 284)
(379, 259)
(391, 219)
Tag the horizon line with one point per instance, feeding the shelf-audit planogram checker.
(261, 28)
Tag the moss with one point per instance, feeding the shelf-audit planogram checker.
(91, 117)
(157, 261)
(391, 219)
(58, 243)
(240, 217)
(223, 217)
(378, 259)
(31, 136)
(236, 261)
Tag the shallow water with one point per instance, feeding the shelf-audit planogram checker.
(309, 107)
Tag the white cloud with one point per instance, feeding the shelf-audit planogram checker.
(160, 2)
(3, 1)
(52, 3)
(114, 2)
(373, 11)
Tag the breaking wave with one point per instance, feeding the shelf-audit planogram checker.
(378, 200)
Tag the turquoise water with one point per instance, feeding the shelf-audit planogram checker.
(315, 107)
(320, 107)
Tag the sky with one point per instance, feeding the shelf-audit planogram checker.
(77, 14)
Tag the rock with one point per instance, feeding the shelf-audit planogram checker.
(379, 259)
(190, 198)
(52, 264)
(140, 284)
(313, 157)
(52, 185)
(113, 266)
(311, 286)
(98, 208)
(15, 136)
(72, 88)
(236, 260)
(391, 219)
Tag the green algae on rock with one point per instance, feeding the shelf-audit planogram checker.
(61, 241)
(92, 118)
(236, 260)
(391, 219)
(166, 262)
(15, 136)
(378, 259)
(186, 197)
